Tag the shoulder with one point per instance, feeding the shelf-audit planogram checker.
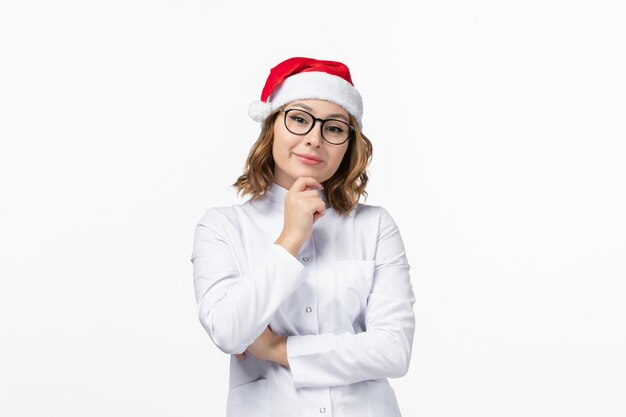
(369, 212)
(221, 216)
(373, 226)
(375, 217)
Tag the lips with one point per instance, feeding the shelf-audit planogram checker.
(313, 157)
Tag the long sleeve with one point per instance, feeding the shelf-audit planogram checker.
(384, 349)
(233, 308)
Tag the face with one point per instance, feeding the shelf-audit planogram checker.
(288, 146)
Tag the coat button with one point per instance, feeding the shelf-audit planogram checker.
(322, 410)
(309, 309)
(305, 259)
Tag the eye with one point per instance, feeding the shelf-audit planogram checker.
(335, 129)
(298, 119)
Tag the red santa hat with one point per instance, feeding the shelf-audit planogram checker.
(306, 78)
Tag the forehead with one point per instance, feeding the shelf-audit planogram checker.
(321, 108)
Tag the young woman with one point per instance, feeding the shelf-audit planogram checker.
(306, 288)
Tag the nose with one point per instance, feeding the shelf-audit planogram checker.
(314, 137)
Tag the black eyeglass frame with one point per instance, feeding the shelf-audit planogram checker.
(315, 120)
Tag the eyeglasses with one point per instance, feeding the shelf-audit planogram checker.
(300, 122)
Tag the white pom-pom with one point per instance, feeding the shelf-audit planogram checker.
(259, 110)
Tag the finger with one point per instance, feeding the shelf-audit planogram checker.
(303, 182)
(311, 187)
(310, 193)
(319, 206)
(320, 210)
(317, 216)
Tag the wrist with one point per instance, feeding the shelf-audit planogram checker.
(280, 351)
(291, 245)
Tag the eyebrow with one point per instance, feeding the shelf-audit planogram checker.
(330, 116)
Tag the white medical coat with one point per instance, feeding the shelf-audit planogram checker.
(345, 303)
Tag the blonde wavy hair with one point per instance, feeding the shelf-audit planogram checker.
(343, 190)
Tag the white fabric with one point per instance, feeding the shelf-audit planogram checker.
(322, 86)
(345, 303)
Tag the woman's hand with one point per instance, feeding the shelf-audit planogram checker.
(269, 347)
(303, 207)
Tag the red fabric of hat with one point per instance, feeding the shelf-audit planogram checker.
(297, 65)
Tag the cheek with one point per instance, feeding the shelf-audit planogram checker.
(280, 149)
(337, 157)
(276, 153)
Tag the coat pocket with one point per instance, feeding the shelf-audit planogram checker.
(354, 282)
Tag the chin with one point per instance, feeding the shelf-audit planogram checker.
(307, 173)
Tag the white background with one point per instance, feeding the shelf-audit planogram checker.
(499, 148)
